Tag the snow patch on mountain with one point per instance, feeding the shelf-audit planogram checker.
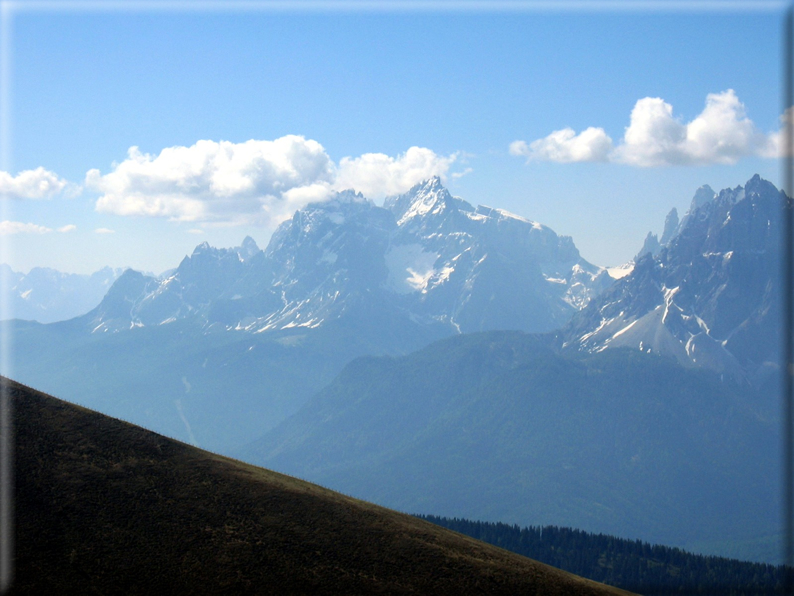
(410, 268)
(621, 270)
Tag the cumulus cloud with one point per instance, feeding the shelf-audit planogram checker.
(565, 146)
(377, 175)
(776, 143)
(68, 228)
(213, 181)
(17, 227)
(34, 184)
(721, 134)
(255, 182)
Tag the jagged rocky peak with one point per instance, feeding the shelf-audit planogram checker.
(349, 196)
(427, 197)
(247, 249)
(650, 246)
(703, 195)
(711, 296)
(319, 224)
(757, 185)
(204, 247)
(670, 226)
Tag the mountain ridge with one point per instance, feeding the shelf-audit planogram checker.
(429, 255)
(710, 297)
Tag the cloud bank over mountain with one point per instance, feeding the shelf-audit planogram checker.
(262, 182)
(721, 134)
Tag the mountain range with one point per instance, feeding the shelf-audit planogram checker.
(643, 406)
(47, 295)
(424, 257)
(710, 297)
(268, 328)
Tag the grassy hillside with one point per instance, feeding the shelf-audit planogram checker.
(105, 507)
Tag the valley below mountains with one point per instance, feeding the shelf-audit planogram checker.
(499, 427)
(446, 359)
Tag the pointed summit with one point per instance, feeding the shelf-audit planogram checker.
(247, 249)
(202, 248)
(703, 195)
(758, 185)
(432, 183)
(650, 246)
(429, 197)
(670, 227)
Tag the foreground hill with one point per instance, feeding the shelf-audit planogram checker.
(497, 426)
(105, 507)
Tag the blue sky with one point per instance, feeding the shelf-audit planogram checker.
(461, 87)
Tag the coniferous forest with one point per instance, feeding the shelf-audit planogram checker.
(633, 565)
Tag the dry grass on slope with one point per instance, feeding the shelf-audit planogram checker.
(105, 507)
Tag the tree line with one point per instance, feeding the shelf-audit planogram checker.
(633, 565)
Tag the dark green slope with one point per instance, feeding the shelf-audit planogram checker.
(498, 427)
(105, 507)
(653, 570)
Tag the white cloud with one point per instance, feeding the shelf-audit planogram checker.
(775, 145)
(213, 181)
(104, 231)
(721, 134)
(67, 228)
(377, 175)
(195, 231)
(565, 146)
(255, 183)
(34, 184)
(17, 227)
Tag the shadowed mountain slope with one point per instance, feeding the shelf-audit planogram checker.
(106, 507)
(497, 426)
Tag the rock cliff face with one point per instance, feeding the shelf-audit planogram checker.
(710, 298)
